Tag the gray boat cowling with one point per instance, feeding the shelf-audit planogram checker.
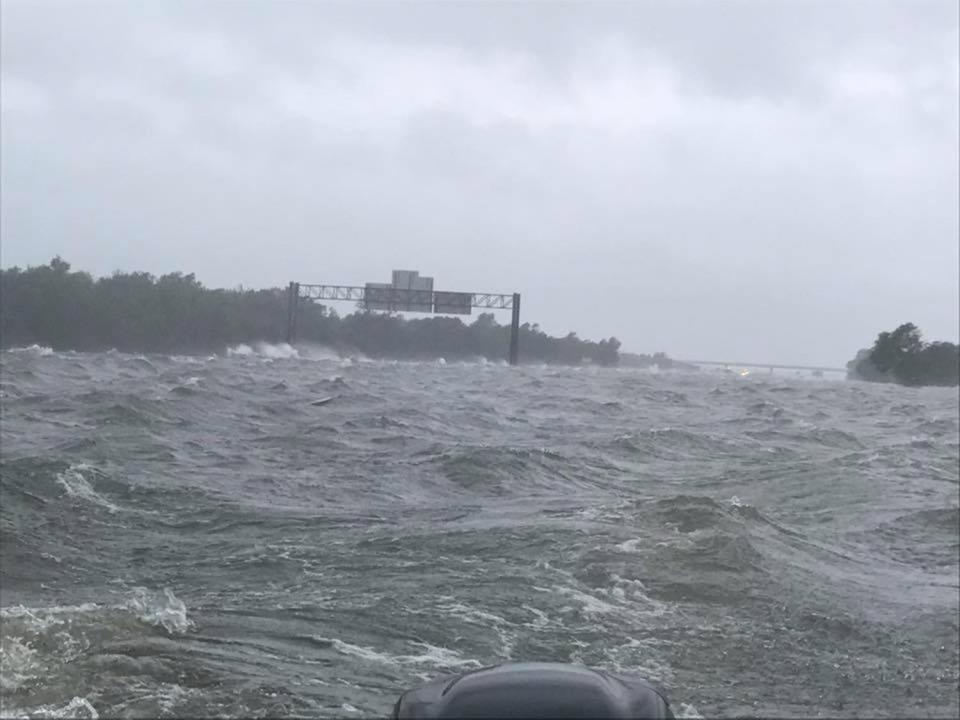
(534, 691)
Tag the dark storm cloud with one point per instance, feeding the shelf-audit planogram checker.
(768, 181)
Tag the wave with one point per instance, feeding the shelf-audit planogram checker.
(76, 485)
(932, 527)
(334, 382)
(676, 444)
(765, 408)
(111, 407)
(77, 708)
(668, 397)
(270, 351)
(190, 359)
(41, 480)
(690, 513)
(939, 427)
(909, 409)
(39, 643)
(663, 524)
(437, 657)
(37, 350)
(138, 361)
(720, 551)
(687, 711)
(499, 470)
(164, 610)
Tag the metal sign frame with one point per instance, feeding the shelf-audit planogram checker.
(401, 296)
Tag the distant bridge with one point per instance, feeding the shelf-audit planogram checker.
(769, 366)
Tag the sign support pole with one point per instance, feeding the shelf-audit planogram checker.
(515, 330)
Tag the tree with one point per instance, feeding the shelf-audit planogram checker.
(935, 364)
(901, 356)
(136, 312)
(890, 348)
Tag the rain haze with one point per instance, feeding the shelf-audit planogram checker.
(745, 181)
(721, 479)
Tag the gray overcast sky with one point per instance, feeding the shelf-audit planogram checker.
(730, 180)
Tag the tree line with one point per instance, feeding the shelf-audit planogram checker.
(660, 360)
(901, 356)
(54, 306)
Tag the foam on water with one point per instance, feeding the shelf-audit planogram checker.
(471, 613)
(76, 709)
(432, 655)
(269, 351)
(634, 591)
(504, 630)
(242, 350)
(317, 353)
(540, 619)
(41, 618)
(164, 609)
(280, 351)
(435, 519)
(18, 664)
(630, 546)
(38, 350)
(686, 711)
(77, 486)
(639, 657)
(35, 642)
(589, 604)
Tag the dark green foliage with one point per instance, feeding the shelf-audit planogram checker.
(891, 349)
(937, 363)
(901, 356)
(136, 312)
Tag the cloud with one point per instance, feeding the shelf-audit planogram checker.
(22, 97)
(685, 169)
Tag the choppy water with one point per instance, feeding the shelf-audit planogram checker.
(191, 536)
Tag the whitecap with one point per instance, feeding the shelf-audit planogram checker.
(471, 613)
(242, 350)
(39, 350)
(633, 590)
(168, 611)
(485, 619)
(629, 546)
(266, 351)
(280, 351)
(35, 639)
(78, 708)
(33, 614)
(540, 618)
(431, 655)
(686, 711)
(77, 486)
(18, 664)
(589, 604)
